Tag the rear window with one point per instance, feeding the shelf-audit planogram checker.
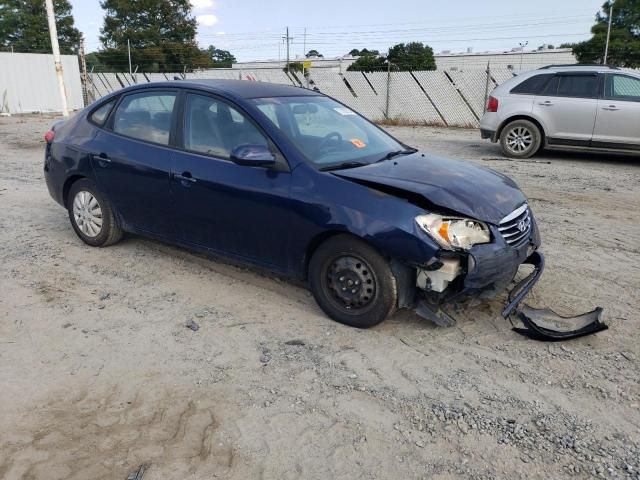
(533, 85)
(578, 86)
(145, 116)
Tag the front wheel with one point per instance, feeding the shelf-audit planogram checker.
(91, 215)
(352, 282)
(520, 139)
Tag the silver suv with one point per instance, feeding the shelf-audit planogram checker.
(573, 107)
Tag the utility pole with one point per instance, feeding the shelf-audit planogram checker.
(304, 49)
(129, 51)
(53, 33)
(288, 40)
(522, 45)
(85, 77)
(606, 46)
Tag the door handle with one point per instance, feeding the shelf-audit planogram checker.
(102, 158)
(611, 108)
(546, 104)
(184, 177)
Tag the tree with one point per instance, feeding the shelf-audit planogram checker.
(412, 56)
(624, 44)
(354, 53)
(368, 61)
(220, 58)
(23, 26)
(161, 33)
(314, 53)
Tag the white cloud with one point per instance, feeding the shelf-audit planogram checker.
(208, 20)
(220, 33)
(201, 4)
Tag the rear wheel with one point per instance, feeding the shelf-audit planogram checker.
(352, 282)
(91, 215)
(520, 139)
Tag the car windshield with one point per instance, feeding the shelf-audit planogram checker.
(329, 134)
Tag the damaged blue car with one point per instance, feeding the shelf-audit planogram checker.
(293, 181)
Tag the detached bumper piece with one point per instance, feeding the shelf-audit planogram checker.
(545, 324)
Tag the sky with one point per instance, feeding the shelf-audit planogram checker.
(253, 29)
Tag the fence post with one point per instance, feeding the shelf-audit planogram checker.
(388, 89)
(84, 77)
(486, 87)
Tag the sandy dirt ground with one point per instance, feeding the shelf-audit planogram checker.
(99, 375)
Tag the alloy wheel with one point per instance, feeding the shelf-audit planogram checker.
(519, 139)
(87, 213)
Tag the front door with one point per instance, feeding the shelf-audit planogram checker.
(618, 120)
(567, 108)
(132, 160)
(238, 210)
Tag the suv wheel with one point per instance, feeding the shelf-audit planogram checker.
(520, 139)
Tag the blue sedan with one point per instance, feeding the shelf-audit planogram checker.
(293, 181)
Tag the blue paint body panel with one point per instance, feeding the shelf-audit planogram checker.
(275, 217)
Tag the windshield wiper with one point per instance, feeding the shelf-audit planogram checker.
(343, 165)
(397, 153)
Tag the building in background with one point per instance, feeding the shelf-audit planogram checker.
(513, 60)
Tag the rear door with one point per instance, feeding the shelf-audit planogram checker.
(618, 120)
(132, 159)
(567, 108)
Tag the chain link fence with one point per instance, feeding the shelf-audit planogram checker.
(442, 98)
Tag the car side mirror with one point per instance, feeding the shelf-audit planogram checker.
(253, 156)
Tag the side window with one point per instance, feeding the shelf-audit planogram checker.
(215, 128)
(551, 88)
(100, 115)
(622, 87)
(146, 116)
(578, 86)
(533, 85)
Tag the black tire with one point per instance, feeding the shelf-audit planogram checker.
(342, 259)
(520, 139)
(109, 232)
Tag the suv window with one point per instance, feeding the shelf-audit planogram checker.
(100, 115)
(215, 128)
(578, 86)
(622, 87)
(532, 85)
(146, 116)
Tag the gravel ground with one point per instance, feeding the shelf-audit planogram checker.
(143, 353)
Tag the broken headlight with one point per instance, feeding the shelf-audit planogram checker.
(454, 232)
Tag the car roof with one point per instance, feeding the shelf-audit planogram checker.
(238, 88)
(579, 67)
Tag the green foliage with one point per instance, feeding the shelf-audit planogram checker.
(23, 26)
(354, 53)
(220, 58)
(294, 67)
(402, 57)
(624, 44)
(412, 56)
(161, 32)
(368, 63)
(314, 53)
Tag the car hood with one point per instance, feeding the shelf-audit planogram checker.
(463, 187)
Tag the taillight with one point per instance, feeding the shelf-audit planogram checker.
(49, 136)
(492, 104)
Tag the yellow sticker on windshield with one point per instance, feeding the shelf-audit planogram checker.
(358, 143)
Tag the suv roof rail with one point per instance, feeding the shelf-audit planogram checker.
(580, 65)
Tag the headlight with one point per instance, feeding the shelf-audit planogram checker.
(454, 232)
